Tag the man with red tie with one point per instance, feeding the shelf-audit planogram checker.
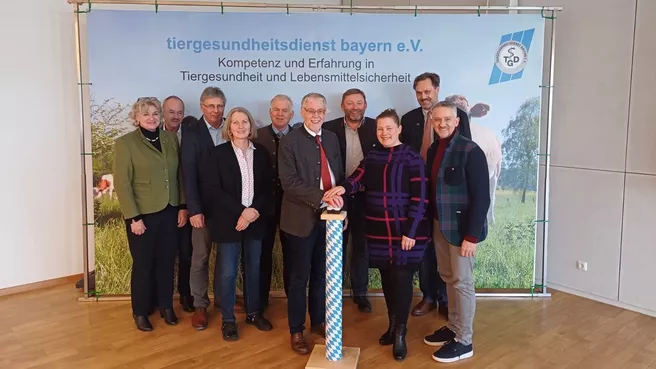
(309, 164)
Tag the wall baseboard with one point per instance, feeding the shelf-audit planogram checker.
(601, 299)
(39, 285)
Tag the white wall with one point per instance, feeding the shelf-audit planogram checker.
(603, 177)
(40, 225)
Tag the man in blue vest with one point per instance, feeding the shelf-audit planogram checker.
(460, 199)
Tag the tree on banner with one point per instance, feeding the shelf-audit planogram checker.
(520, 148)
(107, 119)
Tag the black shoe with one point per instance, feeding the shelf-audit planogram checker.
(453, 351)
(259, 321)
(169, 316)
(363, 304)
(229, 330)
(400, 350)
(440, 337)
(388, 337)
(187, 303)
(142, 322)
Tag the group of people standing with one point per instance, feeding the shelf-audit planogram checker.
(415, 190)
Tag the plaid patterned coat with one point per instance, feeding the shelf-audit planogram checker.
(397, 198)
(462, 190)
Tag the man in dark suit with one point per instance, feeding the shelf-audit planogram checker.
(357, 136)
(310, 163)
(418, 133)
(196, 143)
(281, 113)
(173, 110)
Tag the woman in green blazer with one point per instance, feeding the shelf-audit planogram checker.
(149, 190)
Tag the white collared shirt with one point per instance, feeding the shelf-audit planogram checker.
(245, 161)
(332, 176)
(177, 133)
(353, 150)
(215, 133)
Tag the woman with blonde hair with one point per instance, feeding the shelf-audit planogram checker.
(238, 183)
(147, 183)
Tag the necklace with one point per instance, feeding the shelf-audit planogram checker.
(152, 139)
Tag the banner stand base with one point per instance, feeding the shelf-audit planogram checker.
(350, 356)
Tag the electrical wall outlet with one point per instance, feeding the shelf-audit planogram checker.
(582, 265)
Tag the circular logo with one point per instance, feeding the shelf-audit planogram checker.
(511, 57)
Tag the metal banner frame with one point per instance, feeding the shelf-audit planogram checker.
(547, 12)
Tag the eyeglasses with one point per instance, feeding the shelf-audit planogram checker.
(146, 98)
(214, 107)
(313, 112)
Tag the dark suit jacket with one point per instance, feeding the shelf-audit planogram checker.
(189, 122)
(196, 143)
(461, 192)
(299, 165)
(366, 132)
(413, 127)
(223, 186)
(267, 138)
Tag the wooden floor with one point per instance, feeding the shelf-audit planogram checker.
(50, 329)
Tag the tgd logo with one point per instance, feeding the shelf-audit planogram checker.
(511, 57)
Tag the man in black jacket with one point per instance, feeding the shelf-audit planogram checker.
(196, 144)
(418, 133)
(281, 113)
(309, 164)
(357, 136)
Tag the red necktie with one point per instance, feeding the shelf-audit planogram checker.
(325, 172)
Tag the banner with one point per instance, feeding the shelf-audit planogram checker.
(490, 65)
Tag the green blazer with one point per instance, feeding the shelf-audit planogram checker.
(145, 179)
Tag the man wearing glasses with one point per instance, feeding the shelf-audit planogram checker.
(309, 164)
(196, 143)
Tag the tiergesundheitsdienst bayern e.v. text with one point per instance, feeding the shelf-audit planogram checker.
(308, 66)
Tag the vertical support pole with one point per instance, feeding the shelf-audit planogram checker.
(545, 210)
(83, 156)
(334, 238)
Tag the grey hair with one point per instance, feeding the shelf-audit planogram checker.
(445, 104)
(458, 100)
(212, 92)
(283, 97)
(314, 95)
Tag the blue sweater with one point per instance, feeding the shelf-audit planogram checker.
(397, 197)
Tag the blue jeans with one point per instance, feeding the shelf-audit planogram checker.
(225, 275)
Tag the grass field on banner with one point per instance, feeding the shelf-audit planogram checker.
(504, 260)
